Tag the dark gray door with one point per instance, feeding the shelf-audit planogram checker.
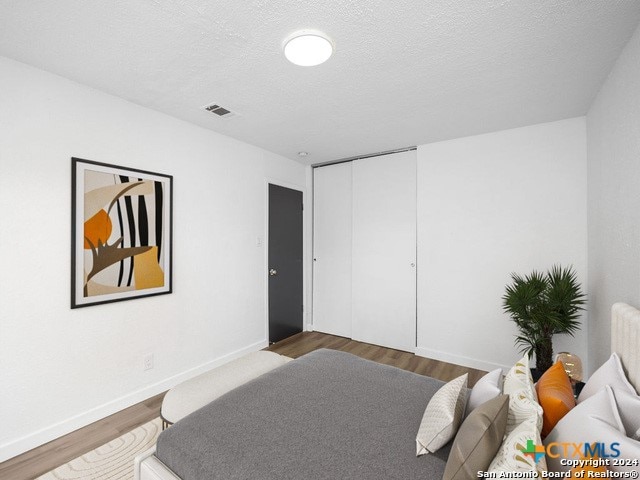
(285, 262)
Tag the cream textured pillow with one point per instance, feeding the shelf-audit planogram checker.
(478, 440)
(594, 420)
(511, 458)
(442, 416)
(488, 387)
(610, 373)
(523, 400)
(519, 377)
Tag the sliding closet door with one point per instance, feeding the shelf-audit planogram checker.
(332, 249)
(384, 250)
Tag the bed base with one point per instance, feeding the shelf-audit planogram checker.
(148, 467)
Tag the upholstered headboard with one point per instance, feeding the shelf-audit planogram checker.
(625, 339)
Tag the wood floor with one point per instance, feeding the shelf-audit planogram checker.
(60, 451)
(306, 342)
(64, 449)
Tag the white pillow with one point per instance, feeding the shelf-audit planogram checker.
(610, 373)
(510, 457)
(442, 417)
(629, 450)
(485, 389)
(523, 401)
(596, 420)
(629, 410)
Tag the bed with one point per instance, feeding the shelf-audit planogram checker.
(328, 414)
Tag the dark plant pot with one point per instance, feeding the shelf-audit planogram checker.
(536, 374)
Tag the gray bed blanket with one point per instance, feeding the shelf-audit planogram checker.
(326, 415)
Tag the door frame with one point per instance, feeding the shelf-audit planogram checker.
(305, 252)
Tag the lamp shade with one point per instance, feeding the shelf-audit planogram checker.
(572, 365)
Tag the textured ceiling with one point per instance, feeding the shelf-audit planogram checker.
(403, 73)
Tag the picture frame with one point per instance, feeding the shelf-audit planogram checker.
(121, 233)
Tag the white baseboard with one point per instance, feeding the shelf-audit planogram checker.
(460, 360)
(40, 437)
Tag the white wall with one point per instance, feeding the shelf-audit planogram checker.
(613, 133)
(62, 368)
(489, 205)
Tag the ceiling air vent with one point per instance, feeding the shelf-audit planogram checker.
(218, 110)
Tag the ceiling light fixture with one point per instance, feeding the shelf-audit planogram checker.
(303, 154)
(307, 48)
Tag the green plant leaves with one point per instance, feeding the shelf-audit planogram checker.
(542, 305)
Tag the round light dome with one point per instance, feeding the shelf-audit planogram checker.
(307, 49)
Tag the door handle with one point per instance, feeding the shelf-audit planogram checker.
(273, 272)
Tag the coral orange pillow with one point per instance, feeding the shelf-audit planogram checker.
(555, 395)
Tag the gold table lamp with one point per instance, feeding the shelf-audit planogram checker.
(572, 365)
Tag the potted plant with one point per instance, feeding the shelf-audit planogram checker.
(543, 305)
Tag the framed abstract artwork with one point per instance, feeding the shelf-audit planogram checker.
(121, 233)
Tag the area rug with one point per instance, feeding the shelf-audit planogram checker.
(111, 461)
